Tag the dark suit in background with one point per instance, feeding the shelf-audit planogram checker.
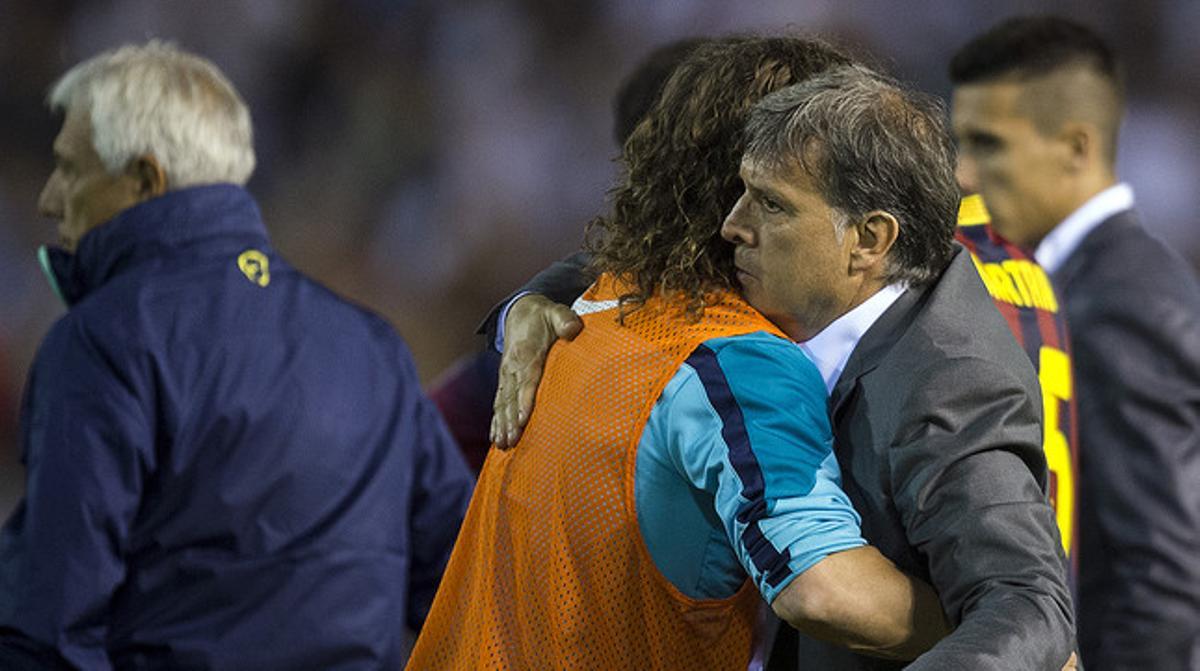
(937, 425)
(1134, 310)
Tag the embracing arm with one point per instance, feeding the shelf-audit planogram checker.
(858, 599)
(756, 436)
(969, 480)
(562, 282)
(534, 317)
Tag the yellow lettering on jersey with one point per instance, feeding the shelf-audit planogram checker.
(1049, 302)
(1029, 279)
(1019, 282)
(255, 266)
(1025, 284)
(1015, 270)
(1005, 290)
(972, 211)
(1054, 375)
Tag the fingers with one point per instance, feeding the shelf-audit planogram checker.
(533, 324)
(506, 428)
(499, 430)
(527, 383)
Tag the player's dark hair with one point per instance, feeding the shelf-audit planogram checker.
(1031, 46)
(681, 168)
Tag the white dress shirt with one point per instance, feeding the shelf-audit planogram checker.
(1054, 250)
(831, 348)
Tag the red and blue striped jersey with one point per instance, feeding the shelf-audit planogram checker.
(1024, 295)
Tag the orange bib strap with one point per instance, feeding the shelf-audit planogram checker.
(550, 571)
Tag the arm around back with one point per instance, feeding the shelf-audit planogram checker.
(762, 447)
(860, 600)
(535, 316)
(533, 324)
(562, 282)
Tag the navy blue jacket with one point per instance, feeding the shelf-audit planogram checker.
(228, 467)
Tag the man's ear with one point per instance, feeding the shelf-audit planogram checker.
(874, 235)
(149, 178)
(1081, 142)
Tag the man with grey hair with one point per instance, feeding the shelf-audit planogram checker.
(227, 466)
(844, 237)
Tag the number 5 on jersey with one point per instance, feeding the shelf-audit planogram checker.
(1054, 374)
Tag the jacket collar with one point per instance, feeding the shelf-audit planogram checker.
(151, 229)
(831, 348)
(1099, 236)
(1057, 247)
(884, 332)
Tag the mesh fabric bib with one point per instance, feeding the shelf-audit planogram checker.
(550, 571)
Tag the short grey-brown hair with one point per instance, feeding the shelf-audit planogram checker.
(869, 144)
(156, 99)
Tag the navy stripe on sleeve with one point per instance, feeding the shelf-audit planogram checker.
(766, 558)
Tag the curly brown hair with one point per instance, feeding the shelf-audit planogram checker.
(681, 169)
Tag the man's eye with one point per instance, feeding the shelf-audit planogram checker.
(981, 143)
(769, 204)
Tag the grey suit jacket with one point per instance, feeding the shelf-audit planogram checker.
(1134, 311)
(937, 422)
(937, 426)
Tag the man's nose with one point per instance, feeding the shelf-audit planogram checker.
(733, 228)
(50, 201)
(967, 175)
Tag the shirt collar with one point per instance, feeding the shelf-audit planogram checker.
(831, 348)
(1058, 246)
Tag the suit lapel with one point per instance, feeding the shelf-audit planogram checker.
(874, 345)
(1097, 238)
(890, 327)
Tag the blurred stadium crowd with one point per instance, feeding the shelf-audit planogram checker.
(423, 158)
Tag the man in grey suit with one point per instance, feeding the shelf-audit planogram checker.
(935, 408)
(1037, 105)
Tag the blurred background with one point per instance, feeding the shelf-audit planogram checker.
(424, 157)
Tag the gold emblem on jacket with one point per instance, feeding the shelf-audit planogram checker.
(255, 266)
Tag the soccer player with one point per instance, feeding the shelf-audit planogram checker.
(680, 444)
(993, 442)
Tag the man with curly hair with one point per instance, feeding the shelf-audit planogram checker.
(622, 539)
(934, 407)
